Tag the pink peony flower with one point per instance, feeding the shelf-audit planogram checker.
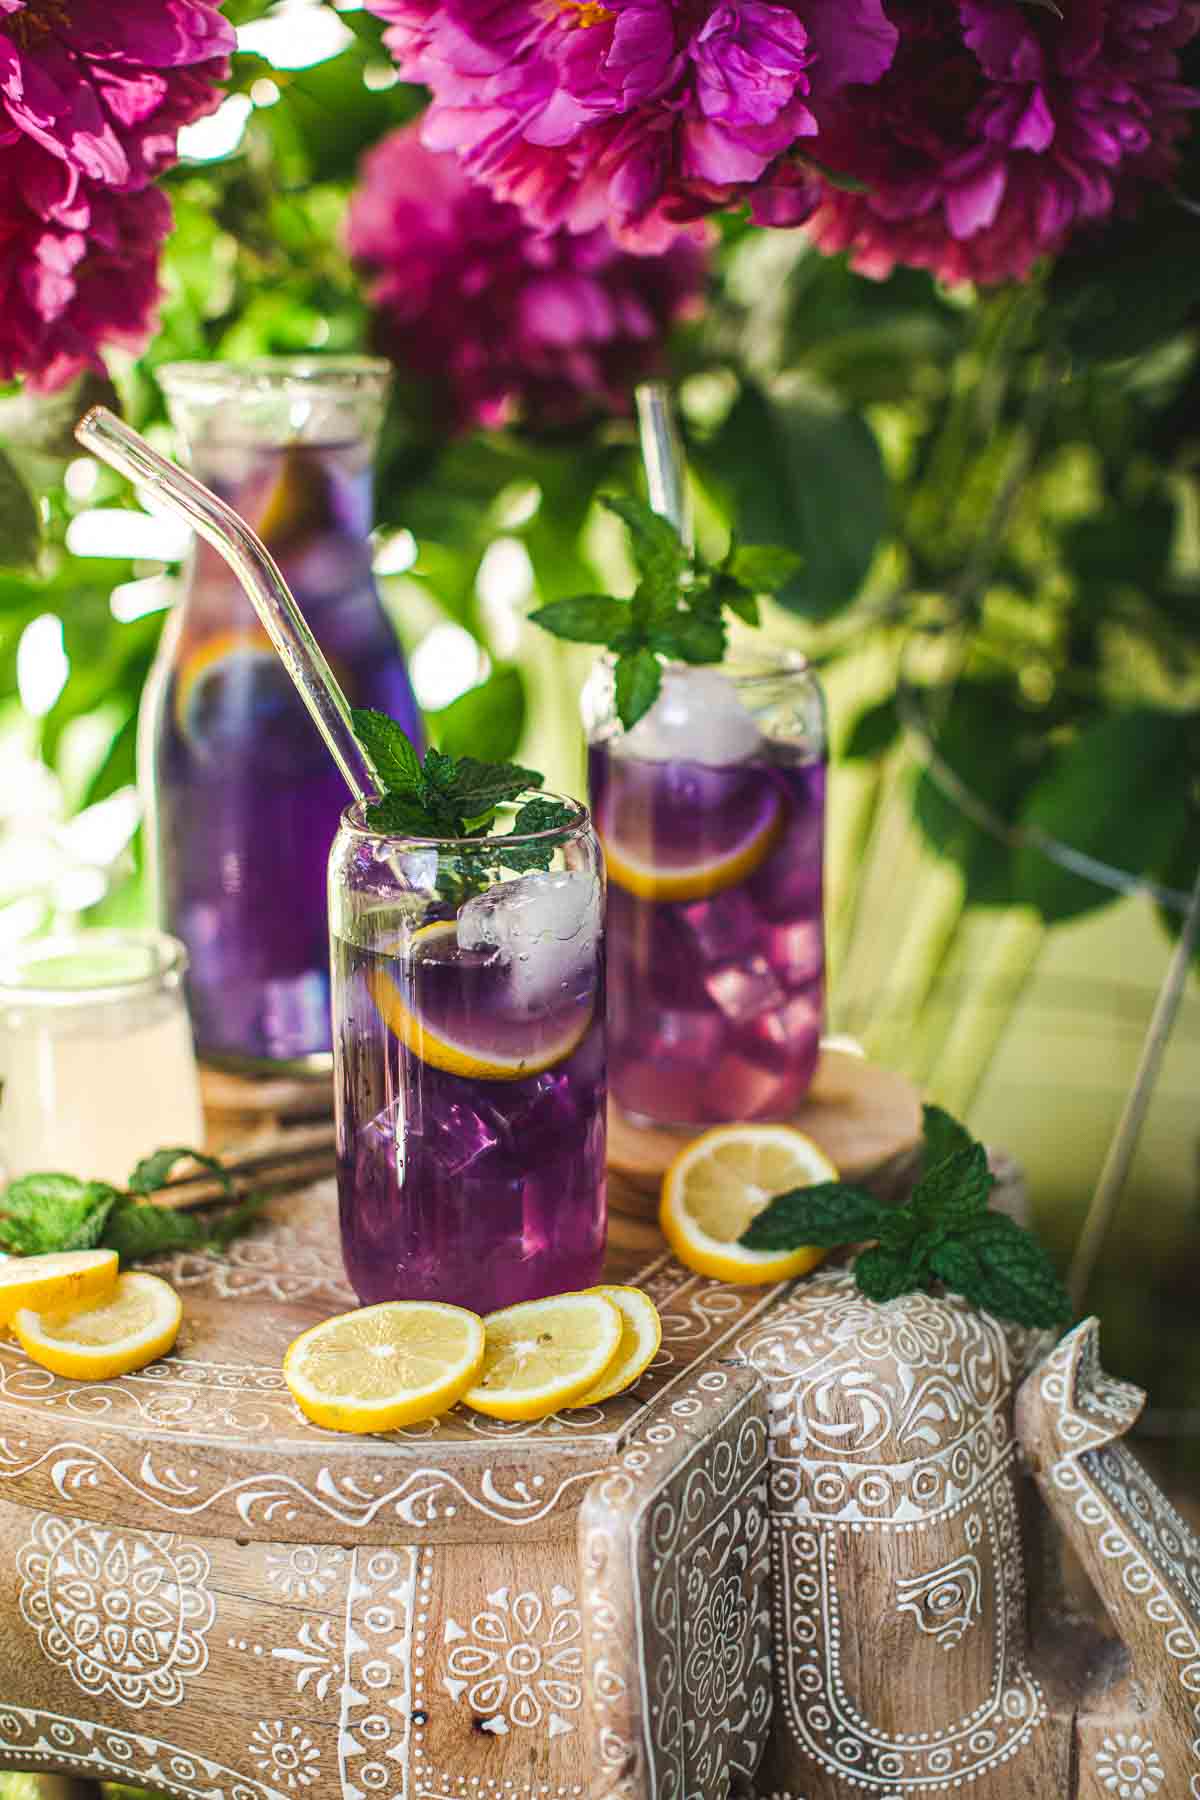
(92, 96)
(506, 319)
(1000, 128)
(642, 114)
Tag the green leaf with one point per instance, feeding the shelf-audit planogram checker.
(1114, 794)
(20, 525)
(153, 1172)
(402, 817)
(489, 718)
(827, 1214)
(1003, 1269)
(873, 732)
(690, 637)
(638, 677)
(953, 1190)
(943, 1137)
(476, 787)
(45, 1212)
(536, 815)
(586, 619)
(390, 749)
(738, 601)
(762, 568)
(883, 1274)
(658, 551)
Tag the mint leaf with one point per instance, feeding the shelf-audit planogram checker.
(20, 521)
(638, 679)
(761, 568)
(476, 787)
(690, 637)
(658, 551)
(45, 1212)
(827, 1214)
(390, 749)
(138, 1229)
(943, 1136)
(1003, 1269)
(401, 817)
(535, 815)
(954, 1192)
(587, 619)
(153, 1172)
(744, 604)
(884, 1274)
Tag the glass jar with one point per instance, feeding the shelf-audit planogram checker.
(711, 812)
(242, 795)
(96, 1054)
(469, 1064)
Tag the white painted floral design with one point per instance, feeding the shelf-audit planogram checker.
(286, 1755)
(1129, 1766)
(713, 1671)
(313, 1657)
(521, 1662)
(305, 1571)
(125, 1613)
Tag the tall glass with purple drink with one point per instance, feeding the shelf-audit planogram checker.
(711, 811)
(469, 1064)
(243, 797)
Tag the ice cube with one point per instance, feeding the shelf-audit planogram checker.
(795, 950)
(684, 1037)
(696, 718)
(793, 1027)
(723, 927)
(544, 925)
(745, 990)
(740, 1089)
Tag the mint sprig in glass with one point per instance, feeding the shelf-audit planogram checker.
(707, 787)
(467, 919)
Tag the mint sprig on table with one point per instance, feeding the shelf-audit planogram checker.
(453, 796)
(49, 1212)
(677, 609)
(944, 1234)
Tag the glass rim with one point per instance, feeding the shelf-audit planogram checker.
(193, 378)
(168, 956)
(579, 822)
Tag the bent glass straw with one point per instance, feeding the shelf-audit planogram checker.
(177, 492)
(662, 454)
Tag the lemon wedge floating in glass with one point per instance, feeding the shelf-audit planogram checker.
(741, 849)
(385, 1366)
(641, 1335)
(456, 1012)
(720, 1182)
(137, 1321)
(60, 1279)
(542, 1354)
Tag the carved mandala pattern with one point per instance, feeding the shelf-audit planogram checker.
(1129, 1766)
(520, 1663)
(126, 1613)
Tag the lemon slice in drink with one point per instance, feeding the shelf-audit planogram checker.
(482, 1039)
(543, 1354)
(720, 1182)
(660, 879)
(384, 1366)
(137, 1321)
(62, 1279)
(641, 1335)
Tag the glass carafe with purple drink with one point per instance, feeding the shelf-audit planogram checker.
(711, 811)
(469, 1064)
(243, 797)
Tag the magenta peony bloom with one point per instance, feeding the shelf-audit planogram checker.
(506, 319)
(642, 114)
(1001, 128)
(92, 96)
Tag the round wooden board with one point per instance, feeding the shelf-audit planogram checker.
(861, 1116)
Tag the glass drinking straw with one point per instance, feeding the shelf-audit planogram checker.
(662, 454)
(177, 492)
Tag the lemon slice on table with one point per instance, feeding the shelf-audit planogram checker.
(720, 1182)
(434, 1041)
(61, 1279)
(384, 1366)
(641, 1335)
(542, 1354)
(695, 880)
(137, 1321)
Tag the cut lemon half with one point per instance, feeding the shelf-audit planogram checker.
(695, 880)
(436, 1045)
(720, 1182)
(127, 1328)
(384, 1366)
(62, 1279)
(542, 1354)
(641, 1335)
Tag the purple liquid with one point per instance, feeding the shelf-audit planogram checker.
(247, 798)
(715, 1000)
(480, 1192)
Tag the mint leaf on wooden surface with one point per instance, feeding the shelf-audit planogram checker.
(827, 1214)
(153, 1172)
(138, 1229)
(45, 1212)
(942, 1137)
(953, 1192)
(884, 1274)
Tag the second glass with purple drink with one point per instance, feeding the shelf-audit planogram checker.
(469, 1062)
(711, 811)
